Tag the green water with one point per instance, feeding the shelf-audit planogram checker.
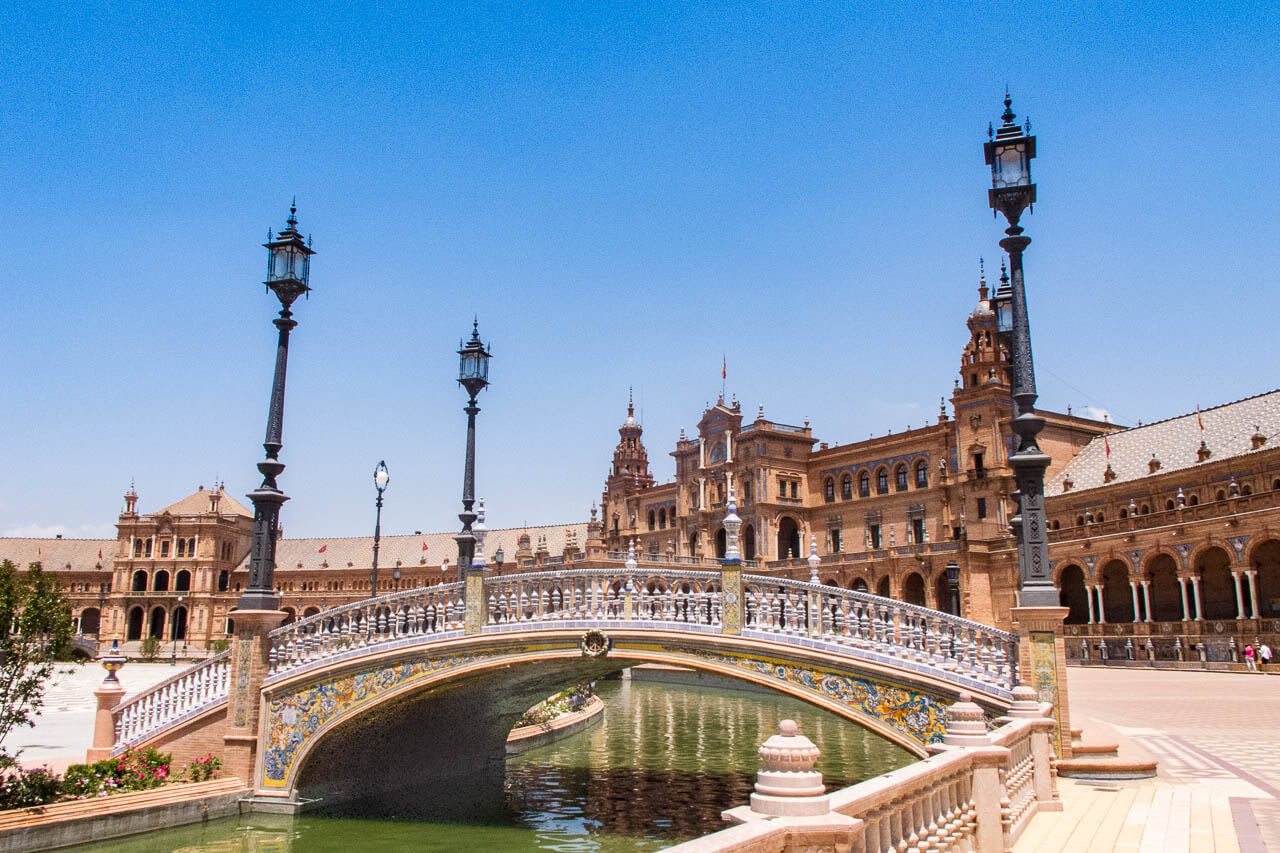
(660, 767)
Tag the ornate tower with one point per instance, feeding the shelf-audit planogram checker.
(628, 474)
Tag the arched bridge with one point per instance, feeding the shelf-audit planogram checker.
(429, 677)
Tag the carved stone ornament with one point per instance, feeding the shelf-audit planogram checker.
(595, 644)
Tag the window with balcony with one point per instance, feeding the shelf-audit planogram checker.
(917, 530)
(829, 490)
(922, 474)
(834, 547)
(882, 482)
(846, 488)
(900, 478)
(864, 485)
(873, 536)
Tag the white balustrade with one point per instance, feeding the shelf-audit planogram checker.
(185, 694)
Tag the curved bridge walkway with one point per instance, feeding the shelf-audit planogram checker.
(893, 666)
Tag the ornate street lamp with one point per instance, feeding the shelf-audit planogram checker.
(288, 271)
(1009, 152)
(953, 584)
(499, 558)
(473, 375)
(102, 603)
(381, 479)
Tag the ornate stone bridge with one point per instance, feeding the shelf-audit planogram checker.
(428, 682)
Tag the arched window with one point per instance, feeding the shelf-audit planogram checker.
(182, 583)
(1124, 513)
(139, 582)
(1079, 521)
(147, 547)
(137, 548)
(1246, 489)
(1146, 509)
(864, 485)
(222, 581)
(662, 519)
(1168, 504)
(1057, 525)
(191, 547)
(1194, 500)
(882, 482)
(1222, 496)
(161, 582)
(829, 490)
(182, 548)
(1101, 518)
(653, 520)
(846, 488)
(922, 474)
(900, 478)
(164, 548)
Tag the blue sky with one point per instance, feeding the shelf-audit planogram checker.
(625, 194)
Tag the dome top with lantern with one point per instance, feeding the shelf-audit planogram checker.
(983, 308)
(630, 422)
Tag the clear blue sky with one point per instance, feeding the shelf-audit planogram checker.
(623, 193)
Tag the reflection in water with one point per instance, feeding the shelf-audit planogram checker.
(661, 766)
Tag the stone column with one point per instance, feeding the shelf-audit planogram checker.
(250, 659)
(1235, 582)
(1102, 606)
(1133, 589)
(1088, 597)
(1042, 664)
(1252, 575)
(1182, 588)
(1146, 600)
(109, 694)
(1195, 591)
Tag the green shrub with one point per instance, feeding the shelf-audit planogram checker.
(132, 771)
(25, 788)
(202, 769)
(149, 649)
(219, 645)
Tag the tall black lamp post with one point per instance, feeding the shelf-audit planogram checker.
(381, 479)
(288, 268)
(499, 557)
(102, 603)
(1009, 152)
(473, 375)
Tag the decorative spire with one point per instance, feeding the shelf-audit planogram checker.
(814, 559)
(1008, 115)
(983, 292)
(293, 214)
(732, 524)
(631, 557)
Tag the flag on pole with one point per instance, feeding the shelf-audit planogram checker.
(99, 553)
(424, 546)
(323, 548)
(1199, 419)
(724, 368)
(1107, 445)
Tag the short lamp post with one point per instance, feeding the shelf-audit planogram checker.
(1009, 152)
(381, 479)
(499, 558)
(473, 375)
(953, 585)
(288, 273)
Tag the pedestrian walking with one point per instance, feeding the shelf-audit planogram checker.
(1248, 658)
(1264, 655)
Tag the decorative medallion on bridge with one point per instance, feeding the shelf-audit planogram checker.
(595, 644)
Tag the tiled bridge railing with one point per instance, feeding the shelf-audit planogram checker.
(946, 648)
(771, 608)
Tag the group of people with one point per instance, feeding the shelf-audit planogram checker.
(1257, 658)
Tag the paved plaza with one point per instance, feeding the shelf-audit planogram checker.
(1217, 741)
(64, 729)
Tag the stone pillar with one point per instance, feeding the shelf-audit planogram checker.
(1042, 664)
(250, 659)
(1146, 600)
(1102, 606)
(965, 728)
(1252, 575)
(1133, 589)
(1026, 705)
(1195, 591)
(1088, 597)
(788, 786)
(109, 694)
(1182, 588)
(1235, 582)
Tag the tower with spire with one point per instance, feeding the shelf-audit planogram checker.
(629, 472)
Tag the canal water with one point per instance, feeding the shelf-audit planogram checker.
(660, 767)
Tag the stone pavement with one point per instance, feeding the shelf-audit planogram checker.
(64, 729)
(1217, 738)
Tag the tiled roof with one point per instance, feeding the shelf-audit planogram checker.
(358, 550)
(56, 554)
(197, 503)
(1228, 432)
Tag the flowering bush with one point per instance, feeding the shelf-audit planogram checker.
(202, 769)
(24, 788)
(135, 770)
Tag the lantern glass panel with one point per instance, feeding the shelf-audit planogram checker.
(280, 266)
(474, 365)
(1010, 167)
(381, 478)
